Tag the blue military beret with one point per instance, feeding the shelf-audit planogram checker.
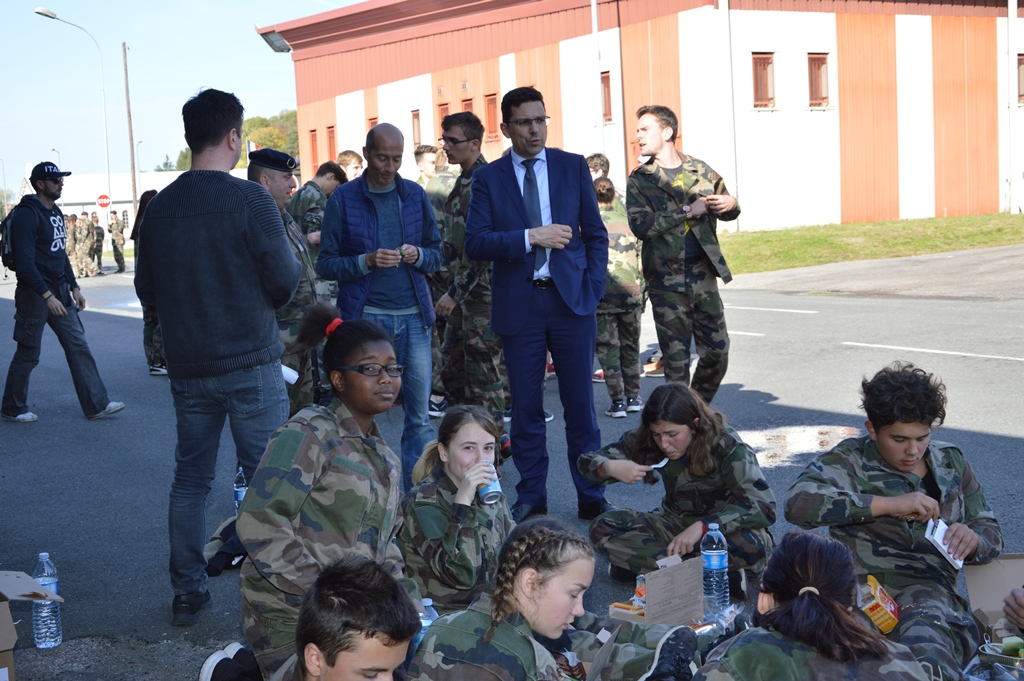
(273, 159)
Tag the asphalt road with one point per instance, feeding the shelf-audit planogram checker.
(94, 494)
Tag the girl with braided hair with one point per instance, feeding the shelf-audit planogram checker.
(710, 476)
(533, 625)
(327, 487)
(806, 629)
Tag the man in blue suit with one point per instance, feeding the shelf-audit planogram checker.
(534, 214)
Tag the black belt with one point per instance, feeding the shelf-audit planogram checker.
(544, 283)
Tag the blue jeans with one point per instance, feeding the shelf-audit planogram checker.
(30, 317)
(412, 345)
(256, 404)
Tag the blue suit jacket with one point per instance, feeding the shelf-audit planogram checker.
(494, 231)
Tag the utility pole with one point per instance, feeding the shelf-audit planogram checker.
(131, 135)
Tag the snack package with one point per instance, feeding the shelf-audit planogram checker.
(879, 605)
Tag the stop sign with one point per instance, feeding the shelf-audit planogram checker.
(103, 201)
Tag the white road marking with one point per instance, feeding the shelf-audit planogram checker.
(770, 309)
(934, 352)
(744, 333)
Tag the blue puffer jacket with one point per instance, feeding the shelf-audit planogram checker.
(349, 232)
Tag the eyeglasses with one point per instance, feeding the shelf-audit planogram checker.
(540, 122)
(449, 141)
(375, 369)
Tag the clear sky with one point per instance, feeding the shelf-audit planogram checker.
(51, 92)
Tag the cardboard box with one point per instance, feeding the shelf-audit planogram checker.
(675, 594)
(16, 586)
(988, 585)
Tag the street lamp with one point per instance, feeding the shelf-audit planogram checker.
(43, 12)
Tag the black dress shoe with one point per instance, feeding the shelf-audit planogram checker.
(521, 512)
(591, 510)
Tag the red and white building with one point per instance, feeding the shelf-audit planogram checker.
(815, 111)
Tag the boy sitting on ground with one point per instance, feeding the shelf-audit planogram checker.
(876, 494)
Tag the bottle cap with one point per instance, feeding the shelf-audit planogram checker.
(428, 602)
(44, 556)
(712, 526)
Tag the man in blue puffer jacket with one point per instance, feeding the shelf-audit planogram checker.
(379, 240)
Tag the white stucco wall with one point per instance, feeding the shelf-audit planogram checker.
(350, 121)
(395, 103)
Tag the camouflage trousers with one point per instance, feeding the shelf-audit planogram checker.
(152, 338)
(473, 361)
(696, 314)
(618, 351)
(438, 384)
(271, 641)
(117, 244)
(938, 629)
(82, 264)
(635, 541)
(301, 393)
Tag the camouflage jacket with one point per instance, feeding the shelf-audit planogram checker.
(307, 206)
(470, 279)
(453, 648)
(735, 495)
(836, 489)
(305, 294)
(322, 491)
(760, 654)
(657, 219)
(116, 227)
(437, 188)
(622, 289)
(450, 549)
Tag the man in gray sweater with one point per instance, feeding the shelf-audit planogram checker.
(214, 259)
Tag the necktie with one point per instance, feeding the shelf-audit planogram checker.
(531, 196)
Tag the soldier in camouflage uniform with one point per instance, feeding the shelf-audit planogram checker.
(443, 381)
(599, 167)
(71, 243)
(494, 639)
(711, 477)
(875, 493)
(426, 162)
(85, 247)
(674, 204)
(618, 313)
(450, 538)
(471, 351)
(806, 630)
(116, 229)
(273, 170)
(97, 250)
(307, 206)
(327, 487)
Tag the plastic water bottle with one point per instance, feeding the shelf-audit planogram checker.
(427, 618)
(715, 553)
(240, 487)
(46, 614)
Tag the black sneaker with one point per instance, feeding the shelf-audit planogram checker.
(185, 608)
(505, 450)
(245, 658)
(437, 409)
(617, 410)
(621, 574)
(635, 404)
(548, 416)
(158, 369)
(673, 656)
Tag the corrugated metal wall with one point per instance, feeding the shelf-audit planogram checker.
(869, 163)
(481, 78)
(539, 67)
(314, 116)
(966, 115)
(650, 73)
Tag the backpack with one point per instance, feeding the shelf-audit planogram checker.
(6, 245)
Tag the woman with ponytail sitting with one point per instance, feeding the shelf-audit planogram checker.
(806, 628)
(534, 626)
(450, 539)
(327, 487)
